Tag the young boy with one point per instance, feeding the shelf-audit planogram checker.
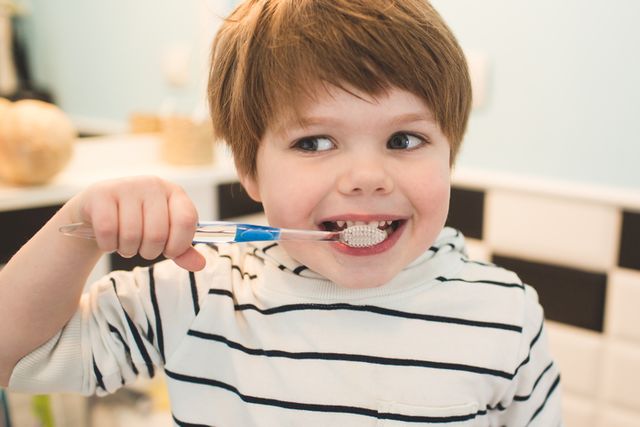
(338, 112)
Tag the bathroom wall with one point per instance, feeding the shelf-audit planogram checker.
(562, 89)
(104, 60)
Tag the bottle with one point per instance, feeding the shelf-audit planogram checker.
(8, 76)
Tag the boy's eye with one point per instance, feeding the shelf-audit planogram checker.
(314, 143)
(404, 141)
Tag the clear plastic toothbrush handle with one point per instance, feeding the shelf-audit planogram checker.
(206, 232)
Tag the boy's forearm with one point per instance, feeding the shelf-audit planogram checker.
(40, 289)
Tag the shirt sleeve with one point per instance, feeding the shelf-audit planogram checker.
(126, 327)
(533, 398)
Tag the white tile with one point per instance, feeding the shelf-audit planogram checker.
(256, 218)
(477, 250)
(202, 197)
(578, 411)
(611, 416)
(622, 317)
(553, 229)
(578, 353)
(621, 374)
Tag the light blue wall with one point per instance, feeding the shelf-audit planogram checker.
(563, 98)
(564, 94)
(102, 59)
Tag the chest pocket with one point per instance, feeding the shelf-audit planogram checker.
(398, 414)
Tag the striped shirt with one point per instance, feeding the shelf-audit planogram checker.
(256, 339)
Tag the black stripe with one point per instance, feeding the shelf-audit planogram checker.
(127, 350)
(535, 384)
(185, 424)
(221, 292)
(472, 261)
(194, 292)
(546, 399)
(136, 336)
(242, 273)
(370, 309)
(266, 248)
(346, 357)
(522, 398)
(486, 282)
(537, 337)
(156, 311)
(98, 374)
(531, 344)
(314, 407)
(149, 334)
(436, 249)
(237, 268)
(451, 245)
(299, 269)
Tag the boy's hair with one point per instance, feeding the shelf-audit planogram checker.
(270, 55)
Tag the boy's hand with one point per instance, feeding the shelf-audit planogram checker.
(141, 215)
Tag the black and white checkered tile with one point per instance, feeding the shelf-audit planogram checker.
(583, 257)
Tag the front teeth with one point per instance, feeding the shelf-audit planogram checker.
(352, 223)
(374, 224)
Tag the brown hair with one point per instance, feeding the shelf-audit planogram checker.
(271, 54)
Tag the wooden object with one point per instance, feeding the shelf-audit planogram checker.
(36, 141)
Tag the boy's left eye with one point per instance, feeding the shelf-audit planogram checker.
(404, 141)
(314, 143)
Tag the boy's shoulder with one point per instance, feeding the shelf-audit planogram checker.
(492, 292)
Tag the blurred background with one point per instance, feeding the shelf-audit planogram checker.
(558, 80)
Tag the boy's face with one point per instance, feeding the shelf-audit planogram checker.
(356, 159)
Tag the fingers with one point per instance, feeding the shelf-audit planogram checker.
(145, 216)
(183, 219)
(130, 223)
(191, 260)
(104, 218)
(155, 228)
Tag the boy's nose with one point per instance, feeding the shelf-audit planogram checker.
(365, 177)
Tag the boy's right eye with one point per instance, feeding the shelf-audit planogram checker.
(314, 143)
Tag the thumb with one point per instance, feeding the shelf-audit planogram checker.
(191, 260)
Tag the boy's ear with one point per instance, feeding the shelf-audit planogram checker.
(250, 184)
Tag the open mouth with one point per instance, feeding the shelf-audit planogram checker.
(388, 226)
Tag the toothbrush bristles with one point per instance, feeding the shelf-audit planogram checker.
(362, 236)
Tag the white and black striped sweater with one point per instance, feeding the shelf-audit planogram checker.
(256, 339)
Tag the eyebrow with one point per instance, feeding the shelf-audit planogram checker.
(413, 118)
(304, 122)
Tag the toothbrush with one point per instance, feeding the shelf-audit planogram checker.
(357, 236)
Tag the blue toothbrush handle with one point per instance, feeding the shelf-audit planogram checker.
(255, 233)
